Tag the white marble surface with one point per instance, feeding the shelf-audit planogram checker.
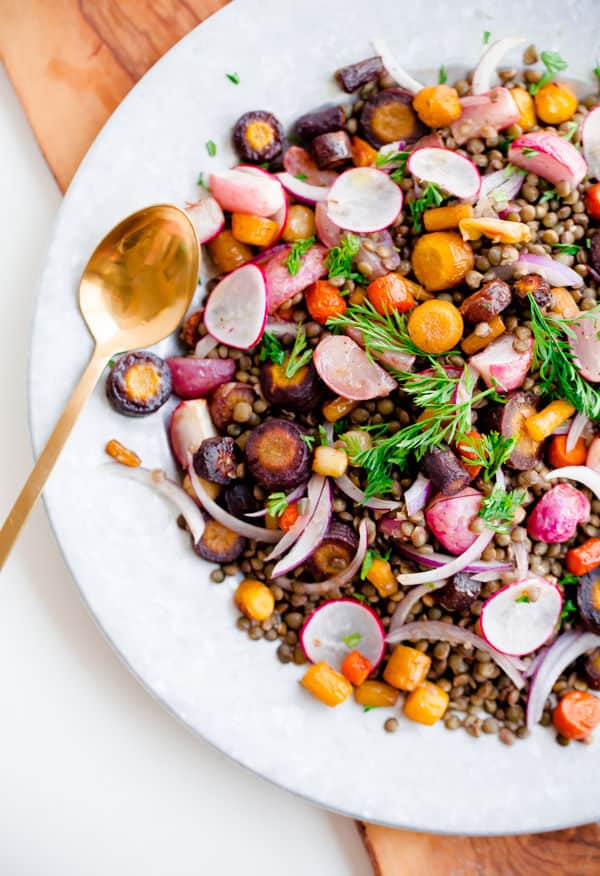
(96, 778)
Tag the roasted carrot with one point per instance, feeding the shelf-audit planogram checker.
(390, 293)
(467, 452)
(323, 301)
(473, 343)
(558, 455)
(289, 516)
(254, 230)
(327, 685)
(356, 668)
(576, 715)
(435, 326)
(584, 558)
(363, 155)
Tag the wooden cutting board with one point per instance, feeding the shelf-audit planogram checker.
(71, 63)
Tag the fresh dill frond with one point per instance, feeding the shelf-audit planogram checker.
(490, 451)
(298, 250)
(276, 504)
(300, 355)
(430, 390)
(381, 334)
(340, 259)
(432, 197)
(499, 508)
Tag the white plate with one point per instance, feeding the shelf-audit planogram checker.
(148, 591)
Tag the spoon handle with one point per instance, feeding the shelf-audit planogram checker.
(46, 460)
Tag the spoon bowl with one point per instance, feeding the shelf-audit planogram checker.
(134, 291)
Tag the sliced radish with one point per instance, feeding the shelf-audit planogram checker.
(207, 218)
(586, 347)
(390, 358)
(195, 378)
(393, 67)
(521, 617)
(298, 163)
(452, 172)
(281, 214)
(496, 109)
(450, 519)
(482, 75)
(190, 425)
(340, 626)
(554, 272)
(501, 365)
(593, 454)
(364, 199)
(236, 310)
(590, 139)
(243, 192)
(301, 190)
(313, 533)
(281, 285)
(546, 154)
(348, 371)
(327, 231)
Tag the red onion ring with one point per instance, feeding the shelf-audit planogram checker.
(345, 485)
(405, 607)
(580, 421)
(581, 473)
(313, 532)
(417, 495)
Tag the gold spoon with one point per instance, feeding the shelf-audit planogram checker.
(134, 292)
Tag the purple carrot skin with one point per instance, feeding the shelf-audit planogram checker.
(459, 594)
(588, 600)
(557, 514)
(354, 76)
(509, 420)
(536, 285)
(335, 551)
(276, 456)
(321, 121)
(139, 384)
(217, 460)
(332, 150)
(445, 470)
(379, 125)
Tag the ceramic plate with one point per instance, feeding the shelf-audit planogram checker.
(148, 591)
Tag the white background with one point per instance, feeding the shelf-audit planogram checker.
(95, 778)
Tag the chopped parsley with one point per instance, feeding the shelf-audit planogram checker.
(300, 355)
(442, 76)
(571, 131)
(211, 148)
(360, 597)
(301, 176)
(271, 349)
(597, 71)
(233, 77)
(486, 37)
(397, 160)
(553, 63)
(323, 437)
(276, 504)
(309, 440)
(432, 197)
(340, 259)
(529, 153)
(368, 562)
(200, 181)
(352, 640)
(370, 708)
(298, 250)
(548, 195)
(489, 451)
(569, 610)
(523, 598)
(569, 248)
(381, 334)
(498, 509)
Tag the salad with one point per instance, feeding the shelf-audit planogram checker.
(389, 394)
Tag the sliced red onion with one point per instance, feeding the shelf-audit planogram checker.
(280, 327)
(247, 530)
(536, 662)
(580, 421)
(417, 495)
(484, 577)
(486, 68)
(435, 560)
(457, 564)
(204, 346)
(521, 558)
(357, 495)
(315, 488)
(552, 271)
(564, 651)
(296, 494)
(301, 190)
(497, 190)
(312, 534)
(394, 69)
(581, 473)
(564, 428)
(412, 597)
(157, 480)
(453, 634)
(333, 584)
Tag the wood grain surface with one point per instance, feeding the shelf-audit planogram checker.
(71, 63)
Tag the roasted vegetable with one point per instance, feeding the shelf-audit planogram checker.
(526, 108)
(363, 154)
(381, 576)
(239, 499)
(588, 600)
(330, 462)
(219, 544)
(591, 669)
(356, 668)
(450, 519)
(337, 408)
(388, 116)
(254, 599)
(217, 460)
(228, 253)
(435, 326)
(406, 668)
(122, 454)
(276, 455)
(475, 342)
(445, 218)
(194, 377)
(189, 333)
(510, 420)
(559, 456)
(445, 470)
(437, 105)
(390, 293)
(533, 284)
(139, 384)
(487, 302)
(460, 593)
(323, 301)
(253, 230)
(297, 393)
(557, 514)
(300, 224)
(322, 121)
(354, 76)
(441, 260)
(577, 714)
(257, 136)
(563, 304)
(555, 103)
(427, 704)
(374, 694)
(223, 401)
(332, 150)
(327, 685)
(543, 423)
(584, 558)
(335, 552)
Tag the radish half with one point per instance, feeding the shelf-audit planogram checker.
(298, 162)
(236, 310)
(590, 139)
(347, 370)
(364, 199)
(280, 215)
(546, 154)
(207, 218)
(520, 617)
(327, 231)
(243, 192)
(340, 626)
(301, 190)
(452, 172)
(190, 425)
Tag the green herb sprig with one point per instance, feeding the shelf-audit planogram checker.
(233, 77)
(352, 640)
(297, 252)
(300, 355)
(276, 504)
(553, 63)
(569, 248)
(370, 556)
(211, 148)
(442, 76)
(432, 197)
(569, 610)
(271, 349)
(486, 37)
(339, 259)
(397, 160)
(499, 508)
(489, 451)
(309, 440)
(381, 334)
(523, 598)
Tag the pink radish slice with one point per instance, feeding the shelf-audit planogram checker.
(236, 310)
(281, 285)
(450, 518)
(586, 347)
(301, 190)
(207, 218)
(501, 365)
(590, 139)
(323, 634)
(393, 67)
(280, 215)
(546, 154)
(486, 68)
(452, 172)
(190, 425)
(364, 199)
(593, 454)
(554, 272)
(327, 231)
(496, 109)
(243, 192)
(195, 378)
(521, 617)
(389, 358)
(348, 371)
(298, 163)
(280, 327)
(312, 535)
